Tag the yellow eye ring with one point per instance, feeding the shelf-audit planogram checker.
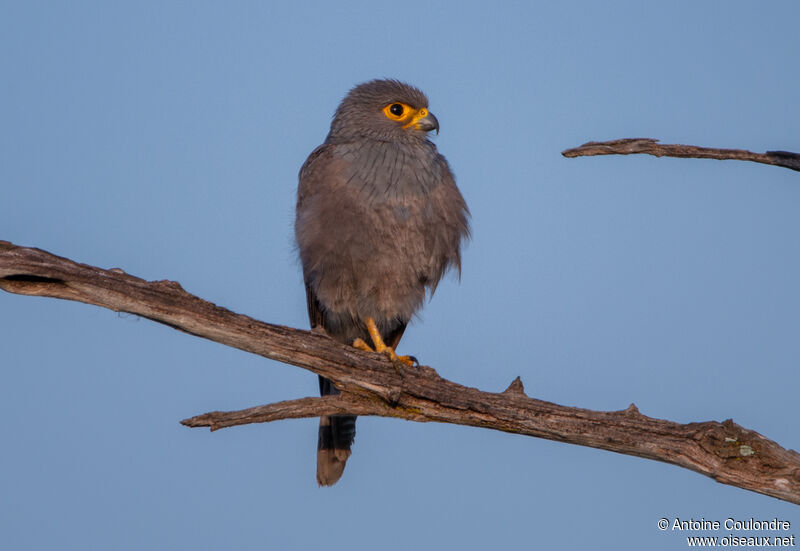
(397, 111)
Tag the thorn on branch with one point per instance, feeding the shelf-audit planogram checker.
(168, 283)
(516, 387)
(632, 411)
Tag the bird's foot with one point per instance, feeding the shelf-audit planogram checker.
(388, 351)
(381, 347)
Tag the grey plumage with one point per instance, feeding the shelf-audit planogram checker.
(379, 221)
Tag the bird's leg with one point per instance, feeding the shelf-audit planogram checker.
(380, 346)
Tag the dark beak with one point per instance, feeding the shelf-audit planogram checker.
(428, 123)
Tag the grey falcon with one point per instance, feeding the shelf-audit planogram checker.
(379, 220)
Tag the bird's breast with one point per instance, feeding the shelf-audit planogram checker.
(384, 172)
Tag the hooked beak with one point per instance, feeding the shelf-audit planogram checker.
(428, 122)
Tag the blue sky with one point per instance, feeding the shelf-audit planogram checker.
(165, 139)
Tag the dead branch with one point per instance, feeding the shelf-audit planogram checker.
(629, 146)
(371, 385)
(289, 409)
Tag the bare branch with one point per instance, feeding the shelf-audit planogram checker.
(290, 409)
(371, 385)
(629, 146)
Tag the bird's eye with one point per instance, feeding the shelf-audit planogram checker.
(398, 112)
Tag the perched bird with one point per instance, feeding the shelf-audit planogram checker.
(379, 220)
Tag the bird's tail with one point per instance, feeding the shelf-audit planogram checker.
(336, 434)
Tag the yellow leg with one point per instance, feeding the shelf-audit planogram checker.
(380, 346)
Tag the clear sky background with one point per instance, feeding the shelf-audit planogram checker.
(165, 139)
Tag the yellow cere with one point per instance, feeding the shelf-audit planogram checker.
(419, 115)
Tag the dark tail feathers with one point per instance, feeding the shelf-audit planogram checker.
(336, 434)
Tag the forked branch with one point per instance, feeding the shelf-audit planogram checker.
(371, 385)
(629, 146)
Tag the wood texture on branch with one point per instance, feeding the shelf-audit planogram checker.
(630, 146)
(372, 385)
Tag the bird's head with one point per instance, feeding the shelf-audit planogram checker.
(387, 110)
